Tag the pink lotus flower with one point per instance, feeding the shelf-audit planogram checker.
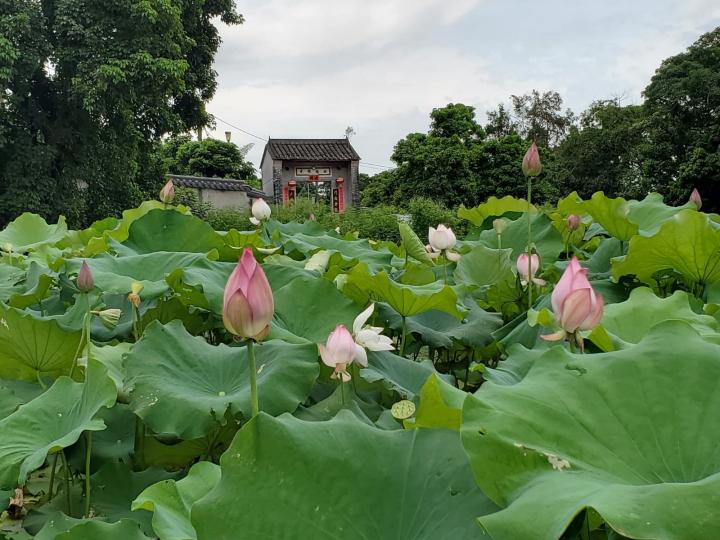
(339, 352)
(531, 165)
(533, 264)
(167, 193)
(695, 198)
(85, 281)
(574, 302)
(248, 300)
(573, 222)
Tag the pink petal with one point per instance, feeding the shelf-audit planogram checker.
(565, 286)
(596, 316)
(576, 308)
(557, 336)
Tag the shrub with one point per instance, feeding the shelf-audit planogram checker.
(189, 197)
(427, 213)
(377, 223)
(224, 219)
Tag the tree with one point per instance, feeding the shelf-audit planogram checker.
(682, 105)
(603, 152)
(540, 117)
(209, 157)
(88, 89)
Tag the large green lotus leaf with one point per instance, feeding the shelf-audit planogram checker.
(35, 287)
(631, 434)
(490, 272)
(350, 249)
(115, 486)
(491, 208)
(30, 346)
(652, 212)
(403, 375)
(366, 409)
(612, 214)
(61, 527)
(116, 274)
(407, 300)
(632, 320)
(52, 421)
(412, 244)
(15, 393)
(160, 230)
(30, 231)
(689, 244)
(514, 368)
(311, 307)
(548, 241)
(344, 479)
(600, 262)
(10, 279)
(171, 501)
(440, 406)
(181, 385)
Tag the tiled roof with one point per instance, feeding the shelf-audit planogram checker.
(218, 184)
(311, 149)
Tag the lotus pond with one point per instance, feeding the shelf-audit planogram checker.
(126, 407)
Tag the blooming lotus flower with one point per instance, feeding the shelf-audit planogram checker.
(531, 165)
(441, 238)
(167, 193)
(368, 337)
(260, 211)
(574, 302)
(339, 352)
(85, 281)
(533, 262)
(248, 303)
(573, 222)
(695, 198)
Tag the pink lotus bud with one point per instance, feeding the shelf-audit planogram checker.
(167, 193)
(533, 262)
(574, 302)
(441, 238)
(573, 222)
(531, 165)
(85, 281)
(695, 198)
(339, 352)
(248, 303)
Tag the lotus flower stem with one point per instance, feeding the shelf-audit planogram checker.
(403, 337)
(253, 378)
(88, 450)
(40, 381)
(67, 481)
(52, 476)
(83, 337)
(342, 391)
(529, 249)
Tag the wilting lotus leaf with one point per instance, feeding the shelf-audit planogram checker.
(492, 207)
(689, 244)
(30, 231)
(52, 421)
(30, 346)
(632, 320)
(355, 482)
(631, 434)
(181, 385)
(171, 501)
(612, 214)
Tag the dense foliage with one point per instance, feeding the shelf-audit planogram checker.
(87, 88)
(669, 144)
(125, 409)
(207, 157)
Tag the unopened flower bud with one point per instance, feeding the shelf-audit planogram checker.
(7, 247)
(573, 222)
(85, 281)
(531, 165)
(167, 193)
(499, 225)
(695, 198)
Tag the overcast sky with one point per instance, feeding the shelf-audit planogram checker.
(312, 68)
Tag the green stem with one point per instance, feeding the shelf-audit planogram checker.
(67, 480)
(403, 337)
(78, 350)
(253, 378)
(88, 450)
(529, 249)
(445, 268)
(139, 446)
(342, 391)
(499, 237)
(39, 380)
(52, 477)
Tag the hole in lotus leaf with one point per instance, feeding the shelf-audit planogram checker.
(402, 410)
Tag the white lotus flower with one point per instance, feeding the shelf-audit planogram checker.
(441, 238)
(261, 210)
(368, 337)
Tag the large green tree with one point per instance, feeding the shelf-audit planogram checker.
(88, 87)
(682, 105)
(208, 157)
